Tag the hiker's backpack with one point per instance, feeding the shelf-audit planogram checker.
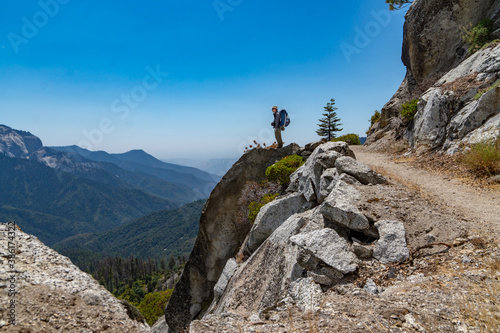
(284, 120)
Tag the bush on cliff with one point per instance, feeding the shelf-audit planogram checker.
(281, 170)
(409, 109)
(350, 139)
(479, 35)
(255, 206)
(375, 118)
(278, 175)
(252, 194)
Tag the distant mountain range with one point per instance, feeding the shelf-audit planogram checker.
(59, 192)
(150, 174)
(218, 166)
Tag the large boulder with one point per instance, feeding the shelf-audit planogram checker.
(391, 247)
(432, 33)
(358, 170)
(271, 216)
(489, 131)
(340, 207)
(219, 238)
(53, 295)
(326, 245)
(430, 121)
(307, 178)
(265, 278)
(474, 115)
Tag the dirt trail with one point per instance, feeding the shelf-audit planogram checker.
(479, 205)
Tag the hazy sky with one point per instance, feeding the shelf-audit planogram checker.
(193, 79)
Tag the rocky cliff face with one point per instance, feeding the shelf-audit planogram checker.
(44, 292)
(432, 46)
(463, 107)
(220, 236)
(18, 143)
(21, 144)
(309, 239)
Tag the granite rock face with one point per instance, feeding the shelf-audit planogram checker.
(445, 78)
(432, 30)
(449, 117)
(391, 247)
(272, 216)
(326, 245)
(52, 294)
(300, 243)
(220, 236)
(358, 170)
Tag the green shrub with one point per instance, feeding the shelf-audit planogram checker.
(350, 139)
(484, 91)
(281, 170)
(409, 109)
(375, 118)
(483, 157)
(479, 35)
(153, 305)
(255, 206)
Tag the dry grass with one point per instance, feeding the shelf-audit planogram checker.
(483, 158)
(480, 307)
(463, 85)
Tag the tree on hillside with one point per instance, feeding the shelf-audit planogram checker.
(397, 4)
(329, 124)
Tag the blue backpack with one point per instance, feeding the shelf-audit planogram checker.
(284, 120)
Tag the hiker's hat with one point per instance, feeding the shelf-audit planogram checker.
(275, 107)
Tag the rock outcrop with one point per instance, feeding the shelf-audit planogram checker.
(432, 30)
(450, 115)
(220, 236)
(432, 49)
(18, 143)
(302, 242)
(50, 294)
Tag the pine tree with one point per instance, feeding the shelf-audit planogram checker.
(329, 124)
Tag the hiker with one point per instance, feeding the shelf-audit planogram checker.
(276, 125)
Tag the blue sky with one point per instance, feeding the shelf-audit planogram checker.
(193, 79)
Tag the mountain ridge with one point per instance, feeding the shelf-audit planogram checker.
(133, 169)
(139, 160)
(28, 187)
(55, 194)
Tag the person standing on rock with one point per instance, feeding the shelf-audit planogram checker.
(276, 125)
